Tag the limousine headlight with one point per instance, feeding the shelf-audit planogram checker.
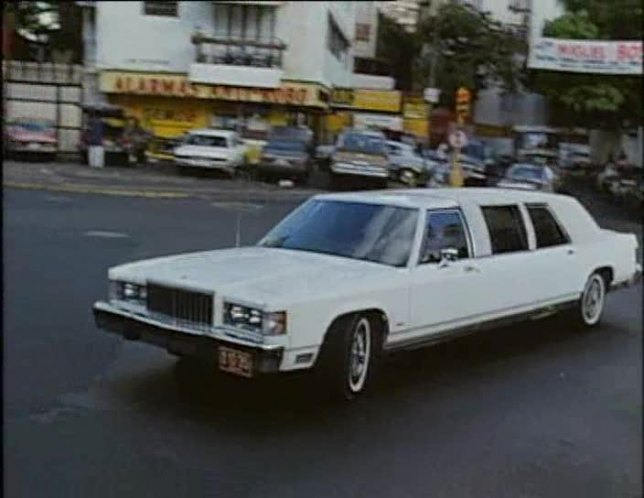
(128, 291)
(254, 319)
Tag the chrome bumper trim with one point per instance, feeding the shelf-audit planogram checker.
(216, 333)
(352, 169)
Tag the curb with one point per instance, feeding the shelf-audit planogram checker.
(221, 195)
(80, 189)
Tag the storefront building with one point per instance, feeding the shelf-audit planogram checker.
(241, 65)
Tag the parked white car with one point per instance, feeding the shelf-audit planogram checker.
(346, 277)
(210, 148)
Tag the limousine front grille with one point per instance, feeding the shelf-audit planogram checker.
(185, 307)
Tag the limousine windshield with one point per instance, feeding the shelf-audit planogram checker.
(370, 232)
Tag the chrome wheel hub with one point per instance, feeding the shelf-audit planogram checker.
(593, 300)
(359, 353)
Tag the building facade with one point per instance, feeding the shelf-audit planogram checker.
(404, 12)
(244, 64)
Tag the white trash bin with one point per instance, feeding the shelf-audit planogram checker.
(96, 156)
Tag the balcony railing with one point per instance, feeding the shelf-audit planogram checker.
(238, 52)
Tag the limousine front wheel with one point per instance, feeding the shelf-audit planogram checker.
(591, 305)
(347, 355)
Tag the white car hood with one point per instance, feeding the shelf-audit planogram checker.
(202, 151)
(256, 274)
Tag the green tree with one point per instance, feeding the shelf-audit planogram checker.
(615, 19)
(593, 100)
(472, 50)
(49, 25)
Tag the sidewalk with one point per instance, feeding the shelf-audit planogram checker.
(156, 181)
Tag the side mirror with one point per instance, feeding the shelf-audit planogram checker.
(448, 255)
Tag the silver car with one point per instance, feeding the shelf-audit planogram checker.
(529, 177)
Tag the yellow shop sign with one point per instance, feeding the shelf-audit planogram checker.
(377, 100)
(174, 85)
(415, 108)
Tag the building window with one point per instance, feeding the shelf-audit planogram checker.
(362, 32)
(245, 22)
(336, 42)
(166, 8)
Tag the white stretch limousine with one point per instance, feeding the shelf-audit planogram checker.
(348, 276)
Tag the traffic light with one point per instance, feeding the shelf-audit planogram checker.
(463, 96)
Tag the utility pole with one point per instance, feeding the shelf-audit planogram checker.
(435, 52)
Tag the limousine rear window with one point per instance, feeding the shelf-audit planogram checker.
(506, 228)
(546, 228)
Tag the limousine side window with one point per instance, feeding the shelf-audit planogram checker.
(443, 230)
(506, 228)
(548, 231)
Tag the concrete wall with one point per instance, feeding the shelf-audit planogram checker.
(372, 82)
(46, 91)
(495, 108)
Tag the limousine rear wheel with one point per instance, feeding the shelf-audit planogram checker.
(591, 305)
(348, 354)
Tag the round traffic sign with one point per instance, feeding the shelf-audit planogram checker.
(458, 139)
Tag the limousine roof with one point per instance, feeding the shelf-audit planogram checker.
(444, 198)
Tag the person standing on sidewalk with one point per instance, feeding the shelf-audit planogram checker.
(96, 152)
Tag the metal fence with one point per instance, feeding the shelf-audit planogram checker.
(46, 91)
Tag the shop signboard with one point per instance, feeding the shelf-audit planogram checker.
(342, 97)
(415, 108)
(175, 85)
(587, 56)
(377, 100)
(417, 127)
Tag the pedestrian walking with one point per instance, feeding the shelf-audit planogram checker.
(96, 152)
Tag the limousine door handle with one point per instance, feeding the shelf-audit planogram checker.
(471, 269)
(570, 252)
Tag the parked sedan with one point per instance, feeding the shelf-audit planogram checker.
(287, 153)
(361, 154)
(213, 149)
(529, 177)
(31, 137)
(346, 278)
(405, 165)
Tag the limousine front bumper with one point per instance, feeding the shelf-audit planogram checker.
(343, 168)
(182, 340)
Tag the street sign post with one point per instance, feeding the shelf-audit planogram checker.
(431, 95)
(458, 138)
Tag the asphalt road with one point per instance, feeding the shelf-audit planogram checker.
(527, 411)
